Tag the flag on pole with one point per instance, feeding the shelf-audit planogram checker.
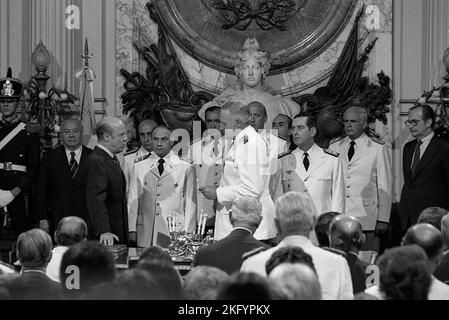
(87, 76)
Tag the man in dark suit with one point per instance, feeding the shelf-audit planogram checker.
(34, 253)
(61, 187)
(226, 254)
(106, 184)
(425, 167)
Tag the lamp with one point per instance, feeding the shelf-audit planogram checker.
(41, 59)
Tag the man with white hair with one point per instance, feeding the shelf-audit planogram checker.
(297, 281)
(245, 217)
(295, 220)
(246, 172)
(368, 176)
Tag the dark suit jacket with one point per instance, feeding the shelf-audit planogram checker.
(429, 186)
(106, 195)
(34, 286)
(226, 254)
(58, 195)
(442, 271)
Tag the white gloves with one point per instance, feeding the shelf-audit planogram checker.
(6, 197)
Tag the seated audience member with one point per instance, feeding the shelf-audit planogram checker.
(202, 282)
(137, 284)
(166, 277)
(95, 263)
(433, 216)
(430, 239)
(322, 228)
(246, 286)
(346, 235)
(155, 253)
(404, 275)
(295, 220)
(290, 255)
(298, 281)
(442, 271)
(34, 253)
(70, 231)
(226, 254)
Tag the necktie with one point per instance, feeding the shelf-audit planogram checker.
(416, 155)
(351, 150)
(306, 161)
(160, 166)
(215, 150)
(73, 164)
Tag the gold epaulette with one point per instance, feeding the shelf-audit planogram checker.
(335, 140)
(130, 152)
(378, 140)
(253, 253)
(332, 153)
(283, 154)
(142, 157)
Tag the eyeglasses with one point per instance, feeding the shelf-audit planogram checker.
(412, 123)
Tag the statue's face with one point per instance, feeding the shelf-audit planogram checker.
(251, 73)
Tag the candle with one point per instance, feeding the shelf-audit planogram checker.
(200, 222)
(203, 227)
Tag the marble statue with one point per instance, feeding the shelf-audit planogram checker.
(251, 68)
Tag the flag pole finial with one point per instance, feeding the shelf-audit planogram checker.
(86, 56)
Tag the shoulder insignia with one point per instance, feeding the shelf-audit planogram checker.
(130, 152)
(283, 154)
(335, 140)
(245, 138)
(378, 140)
(332, 153)
(253, 252)
(142, 158)
(336, 251)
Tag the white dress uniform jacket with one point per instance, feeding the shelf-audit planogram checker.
(323, 181)
(209, 168)
(153, 198)
(368, 180)
(332, 269)
(246, 173)
(128, 163)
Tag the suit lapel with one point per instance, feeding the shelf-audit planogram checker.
(64, 163)
(315, 164)
(408, 155)
(428, 155)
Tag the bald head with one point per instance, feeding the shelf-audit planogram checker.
(346, 233)
(355, 120)
(111, 133)
(145, 129)
(70, 231)
(258, 114)
(427, 237)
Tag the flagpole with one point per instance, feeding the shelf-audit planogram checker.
(86, 56)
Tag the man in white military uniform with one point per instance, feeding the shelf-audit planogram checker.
(162, 191)
(368, 176)
(312, 169)
(207, 157)
(246, 172)
(295, 220)
(276, 145)
(145, 128)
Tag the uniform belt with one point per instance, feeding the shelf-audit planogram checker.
(9, 166)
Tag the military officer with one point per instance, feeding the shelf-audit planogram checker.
(162, 196)
(283, 124)
(134, 156)
(19, 156)
(246, 172)
(367, 174)
(312, 169)
(207, 157)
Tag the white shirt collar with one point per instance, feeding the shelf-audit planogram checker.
(359, 140)
(243, 228)
(106, 150)
(309, 152)
(427, 138)
(77, 153)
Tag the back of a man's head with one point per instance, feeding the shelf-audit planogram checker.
(322, 227)
(70, 231)
(298, 281)
(289, 254)
(246, 212)
(294, 214)
(404, 273)
(445, 230)
(154, 254)
(346, 233)
(246, 286)
(137, 284)
(202, 282)
(34, 249)
(427, 237)
(94, 262)
(433, 216)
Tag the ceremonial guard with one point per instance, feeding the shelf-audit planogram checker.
(19, 157)
(162, 194)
